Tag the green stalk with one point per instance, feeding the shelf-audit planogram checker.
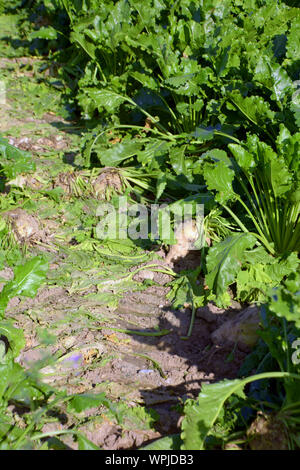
(258, 228)
(155, 121)
(292, 406)
(170, 110)
(126, 126)
(140, 183)
(260, 236)
(294, 243)
(285, 229)
(259, 203)
(179, 126)
(238, 221)
(227, 136)
(60, 432)
(256, 208)
(274, 214)
(142, 128)
(290, 242)
(270, 227)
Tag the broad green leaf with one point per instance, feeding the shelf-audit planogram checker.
(224, 261)
(177, 159)
(186, 290)
(85, 401)
(283, 136)
(15, 338)
(244, 159)
(119, 152)
(27, 279)
(86, 45)
(14, 161)
(204, 133)
(293, 40)
(258, 255)
(105, 99)
(24, 389)
(218, 156)
(262, 275)
(295, 108)
(179, 80)
(254, 108)
(7, 371)
(181, 292)
(186, 85)
(44, 33)
(219, 177)
(284, 301)
(201, 414)
(221, 61)
(55, 194)
(154, 153)
(274, 169)
(289, 147)
(18, 386)
(274, 77)
(146, 80)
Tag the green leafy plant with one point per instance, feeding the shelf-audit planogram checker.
(269, 189)
(185, 102)
(24, 388)
(187, 68)
(258, 188)
(201, 415)
(284, 301)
